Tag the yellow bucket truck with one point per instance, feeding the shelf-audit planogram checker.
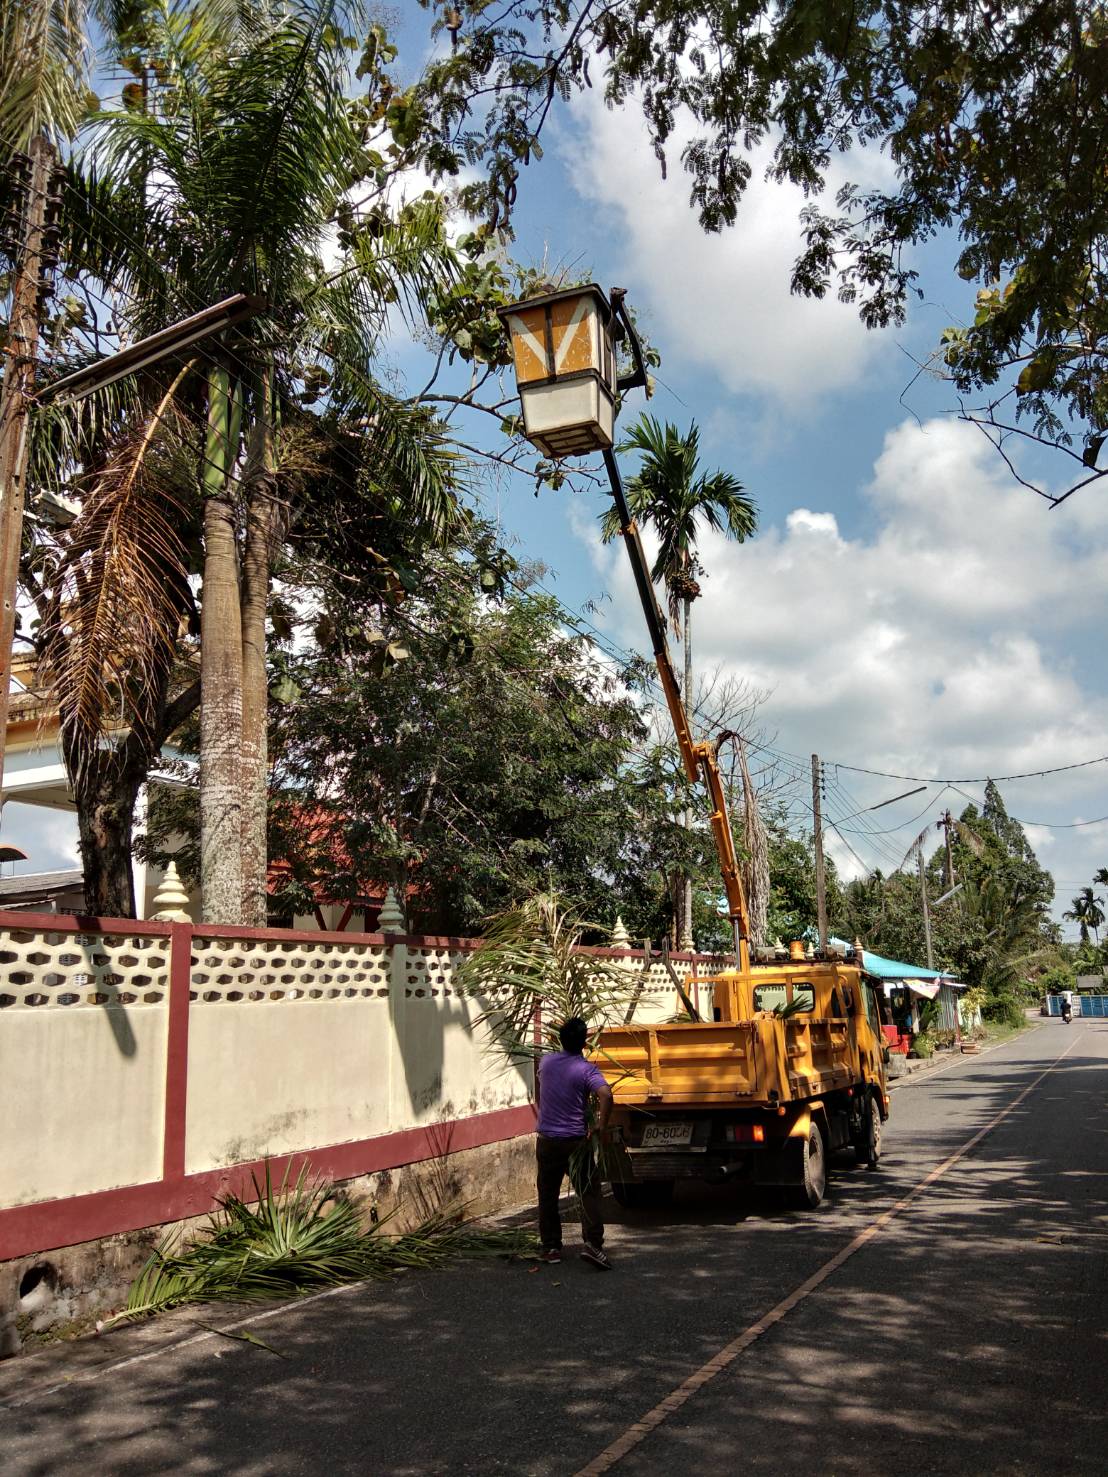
(790, 1066)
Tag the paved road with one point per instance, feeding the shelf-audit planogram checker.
(968, 1334)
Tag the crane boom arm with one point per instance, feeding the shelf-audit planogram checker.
(699, 759)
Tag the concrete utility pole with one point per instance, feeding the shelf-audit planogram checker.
(926, 910)
(821, 881)
(15, 398)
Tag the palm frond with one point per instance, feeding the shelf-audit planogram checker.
(296, 1237)
(44, 65)
(529, 964)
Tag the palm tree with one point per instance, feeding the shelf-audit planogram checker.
(1087, 912)
(227, 175)
(672, 495)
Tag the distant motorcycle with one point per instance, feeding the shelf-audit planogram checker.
(1067, 1012)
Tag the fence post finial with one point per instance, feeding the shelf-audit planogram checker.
(171, 900)
(390, 919)
(686, 944)
(621, 939)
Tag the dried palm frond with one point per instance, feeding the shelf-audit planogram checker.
(755, 868)
(121, 589)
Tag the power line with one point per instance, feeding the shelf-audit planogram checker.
(1030, 774)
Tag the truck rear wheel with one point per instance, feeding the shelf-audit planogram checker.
(810, 1192)
(868, 1145)
(643, 1195)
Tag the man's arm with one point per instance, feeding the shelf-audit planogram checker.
(603, 1107)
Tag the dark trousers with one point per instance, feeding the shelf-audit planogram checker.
(553, 1156)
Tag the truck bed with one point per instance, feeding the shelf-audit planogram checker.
(766, 1060)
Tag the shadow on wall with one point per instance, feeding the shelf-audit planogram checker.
(116, 1012)
(422, 1018)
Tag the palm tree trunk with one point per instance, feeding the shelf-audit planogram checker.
(685, 930)
(263, 523)
(220, 667)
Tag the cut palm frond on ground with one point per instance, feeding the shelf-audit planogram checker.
(297, 1238)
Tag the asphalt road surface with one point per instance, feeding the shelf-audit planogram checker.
(944, 1314)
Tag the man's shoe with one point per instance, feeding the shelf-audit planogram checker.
(552, 1256)
(595, 1255)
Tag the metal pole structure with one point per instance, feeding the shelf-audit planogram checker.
(15, 399)
(821, 880)
(699, 759)
(948, 826)
(926, 910)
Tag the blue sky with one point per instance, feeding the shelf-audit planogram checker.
(905, 607)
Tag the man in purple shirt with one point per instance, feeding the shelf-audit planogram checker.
(566, 1083)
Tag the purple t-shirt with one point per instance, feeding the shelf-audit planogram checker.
(566, 1081)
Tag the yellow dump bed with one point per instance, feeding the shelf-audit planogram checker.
(794, 1033)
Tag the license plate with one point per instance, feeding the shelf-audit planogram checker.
(667, 1135)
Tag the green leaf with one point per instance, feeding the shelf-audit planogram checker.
(1034, 376)
(286, 692)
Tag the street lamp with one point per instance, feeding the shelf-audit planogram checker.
(565, 363)
(152, 350)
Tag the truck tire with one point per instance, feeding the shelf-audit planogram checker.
(810, 1192)
(643, 1195)
(868, 1146)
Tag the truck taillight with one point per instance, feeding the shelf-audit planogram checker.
(746, 1133)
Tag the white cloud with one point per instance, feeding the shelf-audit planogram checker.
(733, 313)
(942, 641)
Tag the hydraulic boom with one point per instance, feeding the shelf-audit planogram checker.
(699, 758)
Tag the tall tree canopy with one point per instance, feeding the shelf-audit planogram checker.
(992, 117)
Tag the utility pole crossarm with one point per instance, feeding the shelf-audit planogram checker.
(699, 759)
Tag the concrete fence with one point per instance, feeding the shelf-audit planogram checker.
(147, 1068)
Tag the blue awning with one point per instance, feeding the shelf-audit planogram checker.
(896, 970)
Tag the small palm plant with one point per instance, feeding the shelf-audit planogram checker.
(531, 976)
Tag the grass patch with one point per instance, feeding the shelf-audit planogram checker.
(998, 1031)
(295, 1239)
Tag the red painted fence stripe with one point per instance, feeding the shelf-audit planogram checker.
(27, 1229)
(177, 1052)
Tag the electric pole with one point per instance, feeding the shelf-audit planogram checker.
(948, 825)
(926, 910)
(821, 881)
(32, 176)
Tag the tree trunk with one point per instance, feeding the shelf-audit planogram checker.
(264, 519)
(105, 793)
(220, 669)
(685, 930)
(105, 818)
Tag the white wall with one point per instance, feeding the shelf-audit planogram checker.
(293, 1045)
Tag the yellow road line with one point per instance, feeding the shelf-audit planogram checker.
(730, 1352)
